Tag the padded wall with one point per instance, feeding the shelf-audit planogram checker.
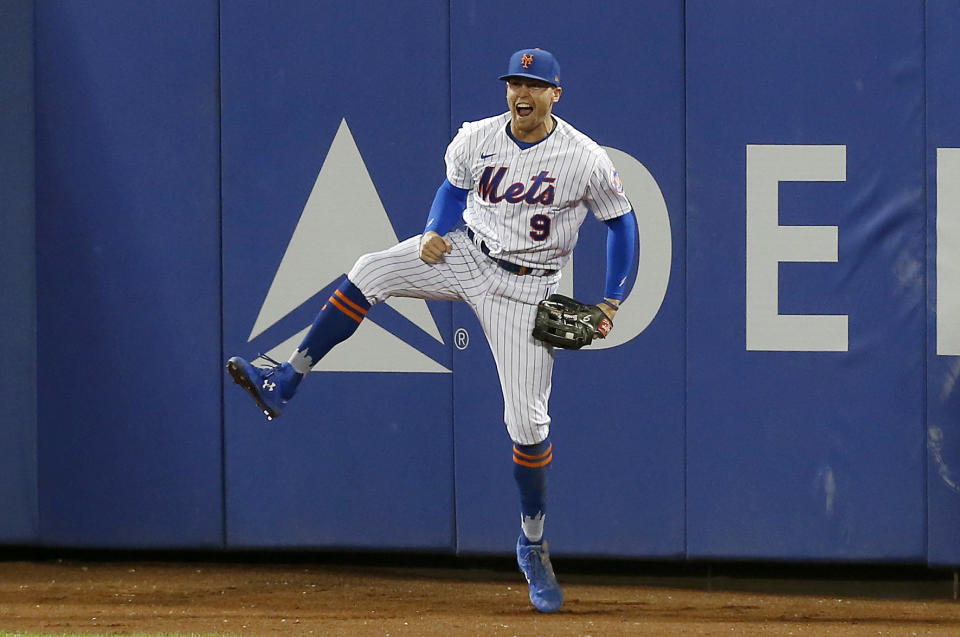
(18, 320)
(781, 383)
(805, 280)
(128, 274)
(943, 283)
(334, 126)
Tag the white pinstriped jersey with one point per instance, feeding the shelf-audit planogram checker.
(528, 204)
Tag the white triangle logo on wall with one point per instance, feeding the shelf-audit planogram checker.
(324, 245)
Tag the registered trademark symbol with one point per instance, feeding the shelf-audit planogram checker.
(461, 338)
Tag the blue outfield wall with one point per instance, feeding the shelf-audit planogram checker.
(18, 321)
(128, 274)
(805, 208)
(781, 383)
(943, 283)
(332, 147)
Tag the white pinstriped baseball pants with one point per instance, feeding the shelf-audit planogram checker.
(505, 303)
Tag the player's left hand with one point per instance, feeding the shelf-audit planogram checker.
(565, 322)
(609, 307)
(433, 247)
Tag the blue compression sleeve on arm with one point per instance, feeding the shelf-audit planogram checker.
(448, 206)
(621, 247)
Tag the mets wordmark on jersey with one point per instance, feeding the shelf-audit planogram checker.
(528, 204)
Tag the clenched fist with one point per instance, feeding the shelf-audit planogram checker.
(433, 247)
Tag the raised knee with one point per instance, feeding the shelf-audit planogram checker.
(361, 265)
(362, 271)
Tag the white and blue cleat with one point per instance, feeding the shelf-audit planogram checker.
(534, 561)
(270, 387)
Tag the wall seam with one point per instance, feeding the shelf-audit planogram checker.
(686, 269)
(36, 289)
(223, 427)
(925, 457)
(453, 385)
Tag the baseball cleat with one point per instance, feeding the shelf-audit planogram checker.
(270, 387)
(534, 561)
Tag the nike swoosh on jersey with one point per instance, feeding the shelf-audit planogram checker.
(482, 156)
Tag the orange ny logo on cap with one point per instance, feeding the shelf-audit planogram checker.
(526, 60)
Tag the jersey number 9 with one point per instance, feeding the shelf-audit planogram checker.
(540, 227)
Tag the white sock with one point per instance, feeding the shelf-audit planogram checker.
(300, 362)
(532, 527)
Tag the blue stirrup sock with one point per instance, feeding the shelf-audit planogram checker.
(337, 320)
(530, 464)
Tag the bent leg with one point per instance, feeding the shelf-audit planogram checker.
(399, 271)
(396, 271)
(336, 321)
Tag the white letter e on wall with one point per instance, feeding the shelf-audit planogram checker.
(769, 243)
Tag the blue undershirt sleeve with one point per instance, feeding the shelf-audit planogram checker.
(447, 208)
(621, 248)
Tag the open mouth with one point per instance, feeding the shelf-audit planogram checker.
(524, 109)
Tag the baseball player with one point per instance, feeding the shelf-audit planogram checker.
(522, 182)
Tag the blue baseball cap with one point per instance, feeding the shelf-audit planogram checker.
(536, 64)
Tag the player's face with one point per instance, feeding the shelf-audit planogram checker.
(531, 103)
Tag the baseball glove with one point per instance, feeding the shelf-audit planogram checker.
(568, 323)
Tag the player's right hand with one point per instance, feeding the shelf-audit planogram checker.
(433, 247)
